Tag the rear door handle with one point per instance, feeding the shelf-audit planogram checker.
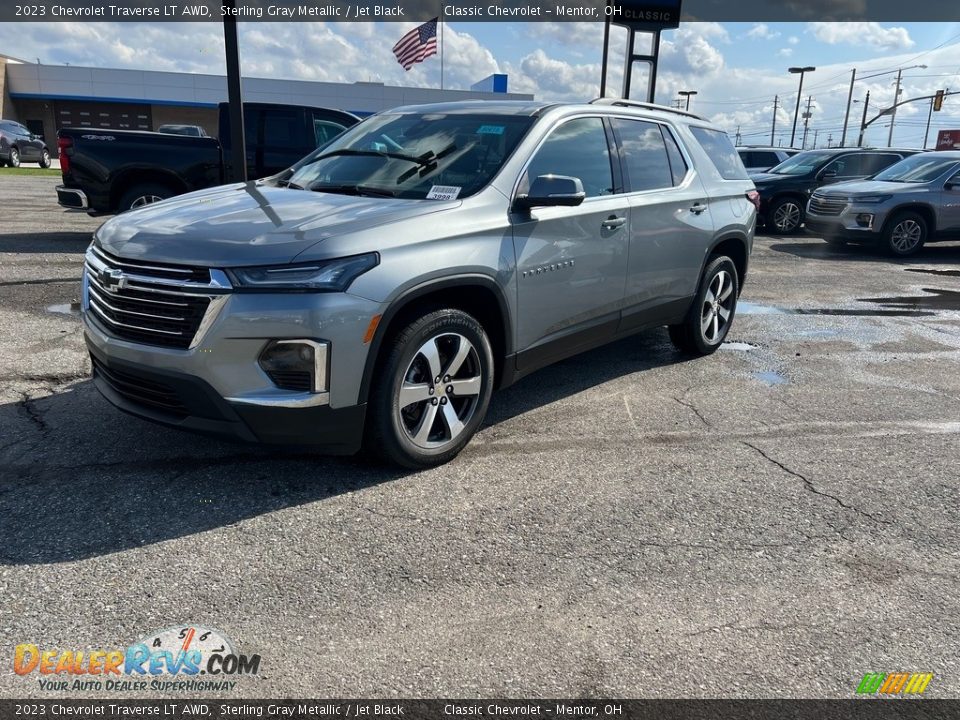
(697, 208)
(613, 222)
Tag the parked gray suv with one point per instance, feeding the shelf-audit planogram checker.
(912, 202)
(380, 289)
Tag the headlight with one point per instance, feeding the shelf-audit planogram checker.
(869, 199)
(323, 276)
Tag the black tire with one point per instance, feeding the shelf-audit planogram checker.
(144, 194)
(14, 159)
(45, 158)
(904, 234)
(792, 211)
(695, 335)
(403, 435)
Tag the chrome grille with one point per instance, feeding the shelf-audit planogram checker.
(152, 303)
(822, 205)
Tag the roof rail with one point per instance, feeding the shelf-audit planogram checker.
(636, 103)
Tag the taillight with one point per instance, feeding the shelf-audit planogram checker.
(62, 144)
(754, 197)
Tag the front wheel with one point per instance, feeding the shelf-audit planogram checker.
(785, 216)
(905, 234)
(709, 318)
(432, 391)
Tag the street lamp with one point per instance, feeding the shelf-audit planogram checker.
(801, 71)
(687, 94)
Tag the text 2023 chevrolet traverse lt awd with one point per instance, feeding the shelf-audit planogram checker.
(382, 287)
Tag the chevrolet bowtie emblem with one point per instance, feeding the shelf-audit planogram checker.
(112, 280)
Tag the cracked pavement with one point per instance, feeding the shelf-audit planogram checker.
(772, 521)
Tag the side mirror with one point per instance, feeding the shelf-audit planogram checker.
(828, 174)
(552, 191)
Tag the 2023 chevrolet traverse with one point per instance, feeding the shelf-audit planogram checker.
(380, 289)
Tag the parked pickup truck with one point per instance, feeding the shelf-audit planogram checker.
(107, 171)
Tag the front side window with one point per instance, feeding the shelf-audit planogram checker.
(847, 166)
(413, 155)
(644, 155)
(579, 149)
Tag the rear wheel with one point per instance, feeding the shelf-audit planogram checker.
(709, 319)
(905, 234)
(785, 216)
(14, 160)
(432, 391)
(145, 194)
(45, 158)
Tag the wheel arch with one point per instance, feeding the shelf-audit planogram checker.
(922, 209)
(735, 246)
(447, 292)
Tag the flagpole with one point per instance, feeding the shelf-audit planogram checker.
(441, 48)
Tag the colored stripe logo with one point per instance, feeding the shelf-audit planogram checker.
(894, 683)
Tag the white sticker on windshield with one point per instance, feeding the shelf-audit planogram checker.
(443, 192)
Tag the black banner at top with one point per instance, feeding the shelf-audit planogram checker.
(662, 13)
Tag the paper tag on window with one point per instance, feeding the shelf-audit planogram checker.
(443, 192)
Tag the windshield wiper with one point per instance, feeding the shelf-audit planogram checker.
(353, 190)
(289, 184)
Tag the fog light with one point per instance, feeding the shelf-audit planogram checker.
(296, 364)
(865, 220)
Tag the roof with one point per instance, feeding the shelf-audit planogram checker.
(491, 107)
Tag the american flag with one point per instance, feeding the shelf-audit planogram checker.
(417, 45)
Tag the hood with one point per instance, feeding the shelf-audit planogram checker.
(863, 187)
(763, 178)
(250, 224)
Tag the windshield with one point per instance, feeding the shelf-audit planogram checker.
(917, 169)
(802, 164)
(420, 156)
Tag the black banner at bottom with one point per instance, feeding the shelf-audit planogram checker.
(867, 708)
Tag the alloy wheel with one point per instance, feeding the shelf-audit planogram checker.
(145, 200)
(717, 308)
(787, 217)
(440, 391)
(906, 235)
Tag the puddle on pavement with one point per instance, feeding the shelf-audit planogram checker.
(65, 308)
(738, 346)
(769, 377)
(935, 299)
(746, 308)
(928, 271)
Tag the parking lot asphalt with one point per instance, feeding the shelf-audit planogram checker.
(772, 521)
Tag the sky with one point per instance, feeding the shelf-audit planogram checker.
(736, 68)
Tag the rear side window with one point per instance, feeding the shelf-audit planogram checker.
(644, 155)
(282, 128)
(721, 153)
(872, 164)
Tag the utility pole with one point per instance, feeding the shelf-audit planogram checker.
(738, 134)
(830, 141)
(816, 134)
(893, 115)
(846, 118)
(806, 121)
(773, 127)
(863, 123)
(926, 133)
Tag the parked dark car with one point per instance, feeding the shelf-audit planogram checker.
(19, 145)
(175, 129)
(785, 189)
(758, 158)
(108, 171)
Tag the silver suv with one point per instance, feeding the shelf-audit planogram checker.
(380, 289)
(914, 201)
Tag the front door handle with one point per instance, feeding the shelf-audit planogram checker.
(697, 208)
(613, 222)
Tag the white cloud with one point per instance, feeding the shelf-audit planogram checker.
(785, 52)
(862, 33)
(762, 31)
(793, 40)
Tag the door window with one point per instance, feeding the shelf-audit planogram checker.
(644, 155)
(282, 128)
(872, 164)
(847, 166)
(577, 148)
(326, 131)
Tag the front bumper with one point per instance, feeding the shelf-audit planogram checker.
(188, 403)
(851, 224)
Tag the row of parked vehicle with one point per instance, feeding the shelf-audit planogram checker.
(897, 198)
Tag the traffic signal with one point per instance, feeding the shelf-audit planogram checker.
(938, 101)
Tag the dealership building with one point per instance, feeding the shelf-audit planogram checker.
(46, 98)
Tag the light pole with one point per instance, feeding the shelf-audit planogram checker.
(687, 94)
(801, 71)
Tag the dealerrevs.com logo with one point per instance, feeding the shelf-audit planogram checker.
(189, 658)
